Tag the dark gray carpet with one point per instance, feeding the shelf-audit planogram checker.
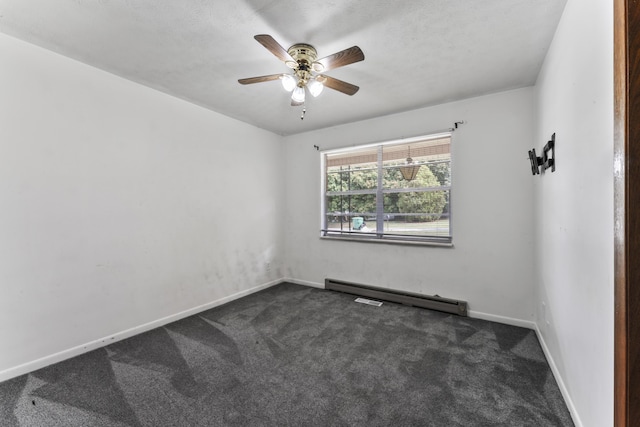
(297, 356)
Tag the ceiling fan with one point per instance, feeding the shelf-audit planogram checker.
(303, 59)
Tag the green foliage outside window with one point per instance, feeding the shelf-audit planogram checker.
(432, 202)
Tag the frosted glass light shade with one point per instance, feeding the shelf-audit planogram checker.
(298, 94)
(289, 82)
(315, 87)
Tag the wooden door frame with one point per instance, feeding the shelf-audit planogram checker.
(626, 212)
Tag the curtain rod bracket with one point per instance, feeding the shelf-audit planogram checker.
(456, 124)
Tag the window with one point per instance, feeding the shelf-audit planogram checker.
(394, 191)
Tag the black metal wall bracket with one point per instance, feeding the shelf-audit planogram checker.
(549, 161)
(535, 161)
(546, 161)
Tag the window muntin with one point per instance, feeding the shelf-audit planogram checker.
(365, 195)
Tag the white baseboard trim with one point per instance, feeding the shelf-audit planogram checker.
(502, 319)
(554, 368)
(563, 388)
(102, 342)
(304, 283)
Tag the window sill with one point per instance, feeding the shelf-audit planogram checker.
(387, 241)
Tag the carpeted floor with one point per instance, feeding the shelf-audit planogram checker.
(298, 356)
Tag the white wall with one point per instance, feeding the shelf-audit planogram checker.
(120, 205)
(574, 254)
(491, 263)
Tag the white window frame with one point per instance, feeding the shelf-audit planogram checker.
(381, 237)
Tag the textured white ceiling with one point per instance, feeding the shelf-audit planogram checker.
(417, 52)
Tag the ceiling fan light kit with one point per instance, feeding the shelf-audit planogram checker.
(298, 94)
(315, 87)
(303, 59)
(289, 82)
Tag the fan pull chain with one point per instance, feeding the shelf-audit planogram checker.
(304, 111)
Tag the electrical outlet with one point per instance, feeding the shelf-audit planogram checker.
(267, 267)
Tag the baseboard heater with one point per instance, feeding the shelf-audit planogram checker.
(407, 298)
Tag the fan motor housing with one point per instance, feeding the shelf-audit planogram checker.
(303, 53)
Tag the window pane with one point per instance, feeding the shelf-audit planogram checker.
(429, 160)
(421, 206)
(417, 213)
(409, 225)
(349, 206)
(346, 178)
(412, 202)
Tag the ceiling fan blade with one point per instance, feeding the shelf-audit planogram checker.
(274, 47)
(338, 85)
(260, 79)
(340, 59)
